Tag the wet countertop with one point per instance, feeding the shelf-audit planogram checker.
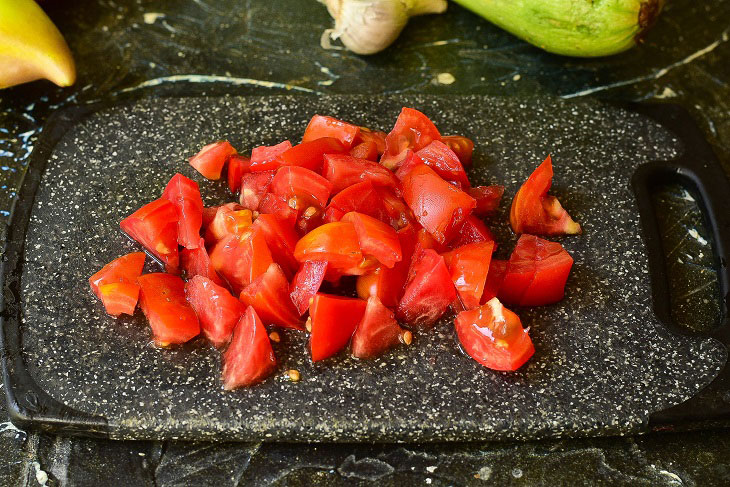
(134, 48)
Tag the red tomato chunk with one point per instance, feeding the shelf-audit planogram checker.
(249, 359)
(162, 299)
(333, 321)
(210, 160)
(116, 283)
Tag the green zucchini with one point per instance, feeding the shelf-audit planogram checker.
(583, 28)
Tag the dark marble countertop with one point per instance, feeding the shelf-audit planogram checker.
(164, 47)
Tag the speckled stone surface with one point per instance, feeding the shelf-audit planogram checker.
(603, 362)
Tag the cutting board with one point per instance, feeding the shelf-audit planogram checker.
(604, 361)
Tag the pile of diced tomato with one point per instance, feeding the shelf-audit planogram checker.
(391, 218)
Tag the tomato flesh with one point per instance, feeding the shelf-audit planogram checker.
(334, 319)
(230, 219)
(306, 283)
(493, 336)
(376, 137)
(116, 283)
(268, 294)
(487, 198)
(185, 195)
(273, 204)
(155, 227)
(237, 166)
(249, 359)
(413, 130)
(469, 266)
(322, 126)
(268, 158)
(376, 239)
(196, 262)
(462, 147)
(439, 157)
(305, 187)
(495, 276)
(254, 186)
(217, 310)
(471, 231)
(310, 155)
(428, 291)
(365, 150)
(210, 160)
(337, 244)
(377, 332)
(281, 239)
(344, 170)
(360, 197)
(162, 299)
(240, 259)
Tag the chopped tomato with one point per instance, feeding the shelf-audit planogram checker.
(410, 160)
(230, 219)
(413, 130)
(469, 266)
(428, 291)
(185, 195)
(439, 207)
(397, 210)
(311, 154)
(377, 332)
(360, 197)
(493, 336)
(343, 170)
(273, 204)
(196, 262)
(533, 211)
(254, 185)
(304, 187)
(322, 126)
(309, 219)
(377, 137)
(240, 259)
(439, 157)
(376, 239)
(116, 283)
(218, 311)
(119, 297)
(365, 150)
(536, 274)
(268, 158)
(306, 283)
(471, 231)
(207, 216)
(281, 239)
(487, 198)
(269, 296)
(337, 244)
(210, 160)
(155, 227)
(162, 299)
(495, 276)
(237, 165)
(249, 358)
(461, 146)
(334, 319)
(426, 241)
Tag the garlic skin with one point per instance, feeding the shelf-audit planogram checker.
(369, 26)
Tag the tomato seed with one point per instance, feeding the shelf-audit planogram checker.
(308, 325)
(274, 337)
(407, 337)
(294, 375)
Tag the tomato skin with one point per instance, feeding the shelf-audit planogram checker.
(322, 126)
(196, 262)
(376, 239)
(469, 266)
(306, 283)
(237, 166)
(493, 336)
(217, 310)
(344, 170)
(162, 299)
(536, 274)
(462, 147)
(473, 230)
(268, 158)
(487, 198)
(240, 259)
(334, 319)
(281, 239)
(495, 276)
(254, 186)
(412, 130)
(268, 294)
(155, 227)
(377, 332)
(337, 244)
(376, 137)
(230, 219)
(361, 197)
(533, 211)
(210, 160)
(116, 283)
(273, 204)
(428, 291)
(439, 157)
(311, 154)
(249, 359)
(119, 297)
(365, 150)
(438, 206)
(306, 187)
(184, 194)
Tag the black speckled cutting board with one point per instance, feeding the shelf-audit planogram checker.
(603, 364)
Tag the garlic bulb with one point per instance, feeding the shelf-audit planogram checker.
(369, 26)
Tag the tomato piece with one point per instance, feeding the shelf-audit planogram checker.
(268, 158)
(377, 332)
(230, 219)
(254, 185)
(306, 283)
(217, 310)
(322, 126)
(428, 291)
(426, 241)
(439, 207)
(337, 244)
(469, 266)
(309, 219)
(533, 211)
(208, 215)
(210, 160)
(399, 214)
(119, 297)
(376, 239)
(439, 157)
(493, 336)
(268, 294)
(196, 262)
(311, 154)
(495, 276)
(237, 165)
(273, 204)
(281, 240)
(240, 259)
(462, 147)
(344, 170)
(155, 227)
(413, 130)
(361, 197)
(365, 150)
(306, 187)
(471, 231)
(184, 194)
(536, 274)
(162, 299)
(249, 358)
(333, 320)
(487, 198)
(116, 283)
(376, 137)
